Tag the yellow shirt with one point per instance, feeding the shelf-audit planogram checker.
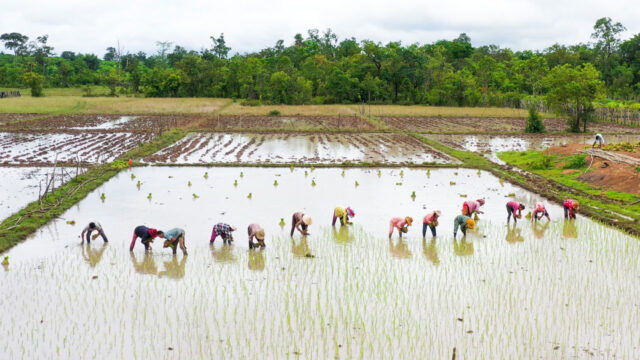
(341, 212)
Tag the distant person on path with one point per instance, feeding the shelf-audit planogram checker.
(599, 140)
(402, 224)
(431, 221)
(514, 208)
(301, 222)
(539, 212)
(256, 231)
(470, 207)
(93, 226)
(342, 214)
(224, 231)
(174, 237)
(463, 222)
(570, 208)
(146, 236)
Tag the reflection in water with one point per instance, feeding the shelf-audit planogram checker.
(462, 247)
(430, 251)
(147, 266)
(256, 259)
(514, 234)
(174, 269)
(399, 250)
(342, 235)
(223, 254)
(539, 229)
(301, 249)
(91, 255)
(569, 229)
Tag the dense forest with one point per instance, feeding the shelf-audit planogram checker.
(320, 68)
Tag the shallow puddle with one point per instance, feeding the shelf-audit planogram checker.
(47, 148)
(492, 145)
(107, 123)
(21, 185)
(202, 148)
(550, 291)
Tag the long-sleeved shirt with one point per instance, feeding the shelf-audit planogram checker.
(460, 221)
(570, 204)
(173, 234)
(472, 206)
(223, 230)
(430, 218)
(539, 209)
(398, 223)
(252, 230)
(515, 206)
(341, 213)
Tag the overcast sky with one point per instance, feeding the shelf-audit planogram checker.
(89, 26)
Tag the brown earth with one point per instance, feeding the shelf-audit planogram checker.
(479, 125)
(297, 122)
(616, 176)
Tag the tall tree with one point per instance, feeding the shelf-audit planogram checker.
(606, 33)
(219, 48)
(16, 42)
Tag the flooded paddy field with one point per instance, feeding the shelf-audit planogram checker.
(106, 123)
(492, 125)
(21, 185)
(299, 122)
(491, 145)
(556, 290)
(208, 148)
(32, 149)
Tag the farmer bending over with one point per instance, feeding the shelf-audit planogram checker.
(463, 222)
(146, 236)
(173, 238)
(539, 212)
(514, 208)
(599, 140)
(301, 222)
(470, 207)
(224, 231)
(257, 232)
(402, 224)
(93, 226)
(570, 208)
(342, 214)
(430, 220)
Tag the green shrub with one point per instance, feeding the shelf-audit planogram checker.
(250, 102)
(576, 162)
(34, 81)
(534, 122)
(541, 164)
(273, 112)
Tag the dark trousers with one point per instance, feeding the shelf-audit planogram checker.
(509, 213)
(104, 237)
(431, 227)
(566, 213)
(293, 225)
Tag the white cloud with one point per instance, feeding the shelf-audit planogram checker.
(91, 26)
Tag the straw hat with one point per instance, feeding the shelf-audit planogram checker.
(260, 234)
(470, 223)
(438, 212)
(233, 228)
(307, 220)
(576, 204)
(409, 220)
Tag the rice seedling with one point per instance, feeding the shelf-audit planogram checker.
(241, 174)
(206, 175)
(189, 183)
(138, 184)
(357, 183)
(195, 196)
(235, 182)
(133, 176)
(313, 182)
(71, 222)
(463, 195)
(275, 182)
(249, 196)
(102, 197)
(149, 196)
(452, 183)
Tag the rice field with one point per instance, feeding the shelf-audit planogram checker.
(33, 149)
(210, 148)
(556, 290)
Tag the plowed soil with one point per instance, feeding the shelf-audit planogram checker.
(240, 122)
(492, 125)
(100, 123)
(207, 148)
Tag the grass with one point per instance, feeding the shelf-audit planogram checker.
(35, 215)
(69, 103)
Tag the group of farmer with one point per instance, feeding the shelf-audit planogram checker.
(301, 222)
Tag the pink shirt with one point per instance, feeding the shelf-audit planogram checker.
(430, 218)
(514, 205)
(568, 203)
(472, 205)
(539, 207)
(396, 222)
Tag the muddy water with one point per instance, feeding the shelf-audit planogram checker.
(20, 186)
(278, 148)
(107, 124)
(492, 145)
(552, 291)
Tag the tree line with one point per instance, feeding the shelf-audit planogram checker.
(319, 68)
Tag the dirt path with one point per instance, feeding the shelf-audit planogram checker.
(612, 156)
